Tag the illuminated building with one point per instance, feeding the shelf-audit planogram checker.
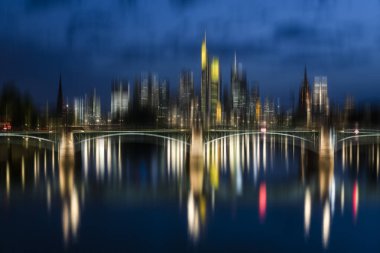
(148, 91)
(144, 91)
(258, 111)
(119, 99)
(186, 94)
(94, 109)
(254, 97)
(269, 112)
(239, 91)
(154, 91)
(87, 111)
(79, 111)
(205, 96)
(163, 107)
(320, 96)
(214, 90)
(304, 105)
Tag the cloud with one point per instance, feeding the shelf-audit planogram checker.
(107, 37)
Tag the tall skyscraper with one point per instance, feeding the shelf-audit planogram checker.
(144, 91)
(304, 104)
(239, 92)
(154, 91)
(186, 94)
(60, 105)
(269, 112)
(320, 96)
(215, 106)
(120, 96)
(254, 97)
(79, 111)
(205, 97)
(148, 92)
(94, 109)
(163, 108)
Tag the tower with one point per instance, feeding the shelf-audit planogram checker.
(119, 99)
(59, 109)
(215, 92)
(304, 104)
(204, 83)
(186, 94)
(320, 96)
(239, 92)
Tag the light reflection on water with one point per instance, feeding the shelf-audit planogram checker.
(262, 173)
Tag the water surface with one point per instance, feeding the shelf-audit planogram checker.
(252, 193)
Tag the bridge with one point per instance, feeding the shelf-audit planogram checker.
(308, 138)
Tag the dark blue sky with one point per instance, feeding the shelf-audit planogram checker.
(92, 41)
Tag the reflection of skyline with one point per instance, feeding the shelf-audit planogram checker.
(231, 169)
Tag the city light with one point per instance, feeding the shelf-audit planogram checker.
(124, 129)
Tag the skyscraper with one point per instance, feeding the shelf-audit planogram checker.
(163, 107)
(148, 86)
(60, 105)
(239, 92)
(186, 94)
(204, 83)
(320, 96)
(94, 109)
(144, 91)
(119, 99)
(79, 111)
(215, 106)
(154, 91)
(254, 97)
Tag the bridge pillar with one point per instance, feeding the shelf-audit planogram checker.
(326, 162)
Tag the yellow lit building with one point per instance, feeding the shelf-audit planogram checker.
(215, 92)
(204, 83)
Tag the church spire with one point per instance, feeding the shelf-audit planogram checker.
(305, 81)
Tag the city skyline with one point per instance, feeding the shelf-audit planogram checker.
(189, 125)
(93, 43)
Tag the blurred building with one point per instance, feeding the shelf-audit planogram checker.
(205, 85)
(320, 96)
(186, 94)
(148, 91)
(120, 97)
(87, 110)
(254, 99)
(215, 105)
(94, 109)
(144, 91)
(79, 111)
(154, 91)
(163, 108)
(239, 93)
(269, 113)
(60, 105)
(304, 104)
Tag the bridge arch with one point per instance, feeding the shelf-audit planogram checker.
(311, 144)
(360, 138)
(133, 134)
(25, 136)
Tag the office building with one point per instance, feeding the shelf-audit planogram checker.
(320, 96)
(120, 97)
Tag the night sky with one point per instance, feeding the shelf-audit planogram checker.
(93, 41)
